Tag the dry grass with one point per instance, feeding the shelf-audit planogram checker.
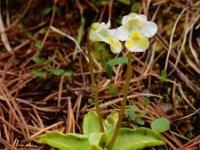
(31, 106)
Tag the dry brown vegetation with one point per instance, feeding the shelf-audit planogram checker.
(32, 105)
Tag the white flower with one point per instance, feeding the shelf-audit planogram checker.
(101, 32)
(135, 31)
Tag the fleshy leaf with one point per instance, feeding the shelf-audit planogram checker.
(70, 141)
(110, 124)
(91, 123)
(95, 147)
(97, 141)
(134, 139)
(160, 125)
(112, 119)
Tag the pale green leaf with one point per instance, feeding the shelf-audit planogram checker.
(70, 141)
(91, 123)
(135, 7)
(163, 75)
(38, 73)
(108, 71)
(134, 139)
(113, 62)
(67, 73)
(56, 71)
(112, 118)
(146, 101)
(113, 89)
(131, 112)
(160, 125)
(47, 10)
(97, 140)
(140, 121)
(20, 15)
(60, 72)
(38, 44)
(91, 101)
(110, 124)
(38, 60)
(126, 2)
(117, 61)
(99, 46)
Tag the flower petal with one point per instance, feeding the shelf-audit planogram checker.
(94, 36)
(137, 46)
(108, 24)
(143, 44)
(142, 17)
(121, 33)
(149, 29)
(129, 45)
(126, 19)
(116, 47)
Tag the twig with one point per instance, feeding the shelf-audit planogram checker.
(51, 23)
(80, 30)
(185, 98)
(7, 145)
(66, 35)
(185, 79)
(171, 37)
(150, 64)
(195, 55)
(197, 111)
(60, 90)
(44, 130)
(187, 29)
(3, 35)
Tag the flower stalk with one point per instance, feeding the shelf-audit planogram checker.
(94, 86)
(123, 104)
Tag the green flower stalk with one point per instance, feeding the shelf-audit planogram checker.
(94, 86)
(123, 104)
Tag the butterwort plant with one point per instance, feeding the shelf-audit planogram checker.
(107, 134)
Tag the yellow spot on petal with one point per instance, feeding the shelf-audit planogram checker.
(129, 44)
(112, 47)
(135, 36)
(117, 44)
(111, 40)
(143, 42)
